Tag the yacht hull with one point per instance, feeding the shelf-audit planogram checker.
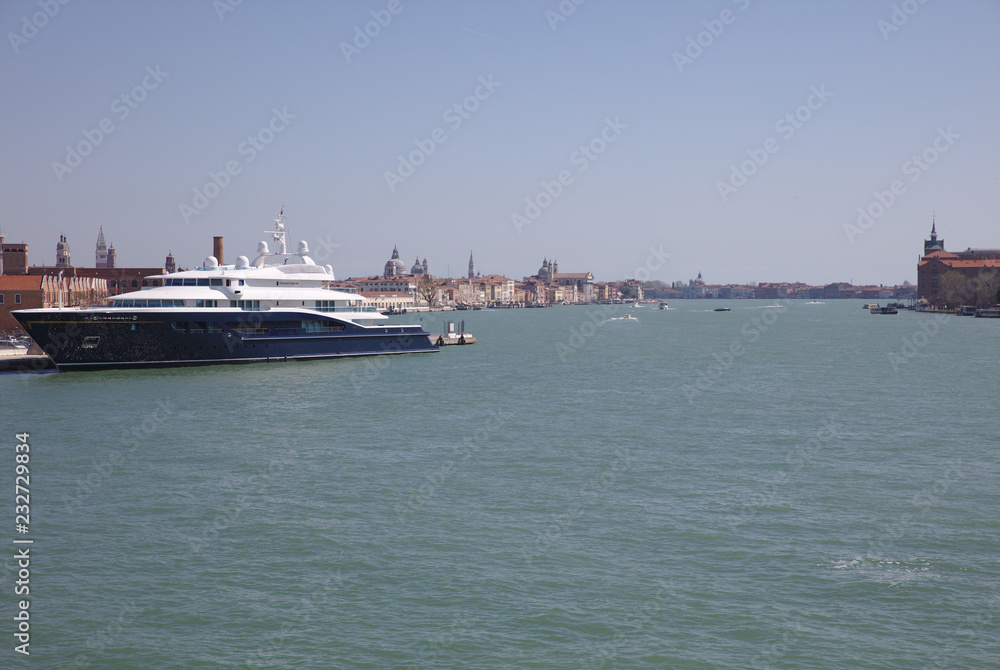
(114, 339)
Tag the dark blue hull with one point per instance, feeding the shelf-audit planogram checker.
(103, 339)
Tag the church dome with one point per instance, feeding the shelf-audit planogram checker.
(417, 268)
(394, 267)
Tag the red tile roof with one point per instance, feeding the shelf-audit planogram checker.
(20, 282)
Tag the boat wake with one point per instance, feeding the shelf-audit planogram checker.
(885, 570)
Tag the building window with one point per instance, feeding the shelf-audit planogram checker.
(1, 298)
(17, 298)
(135, 284)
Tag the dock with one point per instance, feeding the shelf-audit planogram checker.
(22, 361)
(453, 335)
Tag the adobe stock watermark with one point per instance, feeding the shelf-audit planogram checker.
(786, 126)
(923, 500)
(454, 116)
(751, 331)
(628, 630)
(551, 532)
(31, 25)
(121, 107)
(363, 36)
(714, 28)
(323, 252)
(562, 12)
(914, 343)
(580, 334)
(248, 149)
(598, 316)
(471, 444)
(914, 168)
(223, 7)
(796, 459)
(581, 159)
(900, 14)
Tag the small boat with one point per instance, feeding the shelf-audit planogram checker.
(814, 302)
(723, 309)
(989, 313)
(871, 305)
(629, 317)
(663, 305)
(884, 310)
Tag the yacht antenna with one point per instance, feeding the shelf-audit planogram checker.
(279, 232)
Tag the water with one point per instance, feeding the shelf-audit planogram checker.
(803, 486)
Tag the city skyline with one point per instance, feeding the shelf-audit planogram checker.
(656, 259)
(752, 142)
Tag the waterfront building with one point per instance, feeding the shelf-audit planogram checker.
(395, 283)
(390, 301)
(497, 289)
(696, 288)
(581, 282)
(36, 290)
(936, 262)
(118, 280)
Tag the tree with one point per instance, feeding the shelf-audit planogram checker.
(987, 288)
(628, 292)
(954, 288)
(427, 289)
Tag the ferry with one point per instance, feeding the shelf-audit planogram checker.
(278, 307)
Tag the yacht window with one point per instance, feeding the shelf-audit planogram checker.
(202, 282)
(190, 282)
(216, 282)
(179, 325)
(228, 282)
(90, 342)
(214, 328)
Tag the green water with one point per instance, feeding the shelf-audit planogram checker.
(807, 486)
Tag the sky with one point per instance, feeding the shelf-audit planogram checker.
(749, 140)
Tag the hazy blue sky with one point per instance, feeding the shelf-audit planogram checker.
(868, 85)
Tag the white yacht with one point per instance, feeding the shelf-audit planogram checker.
(279, 307)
